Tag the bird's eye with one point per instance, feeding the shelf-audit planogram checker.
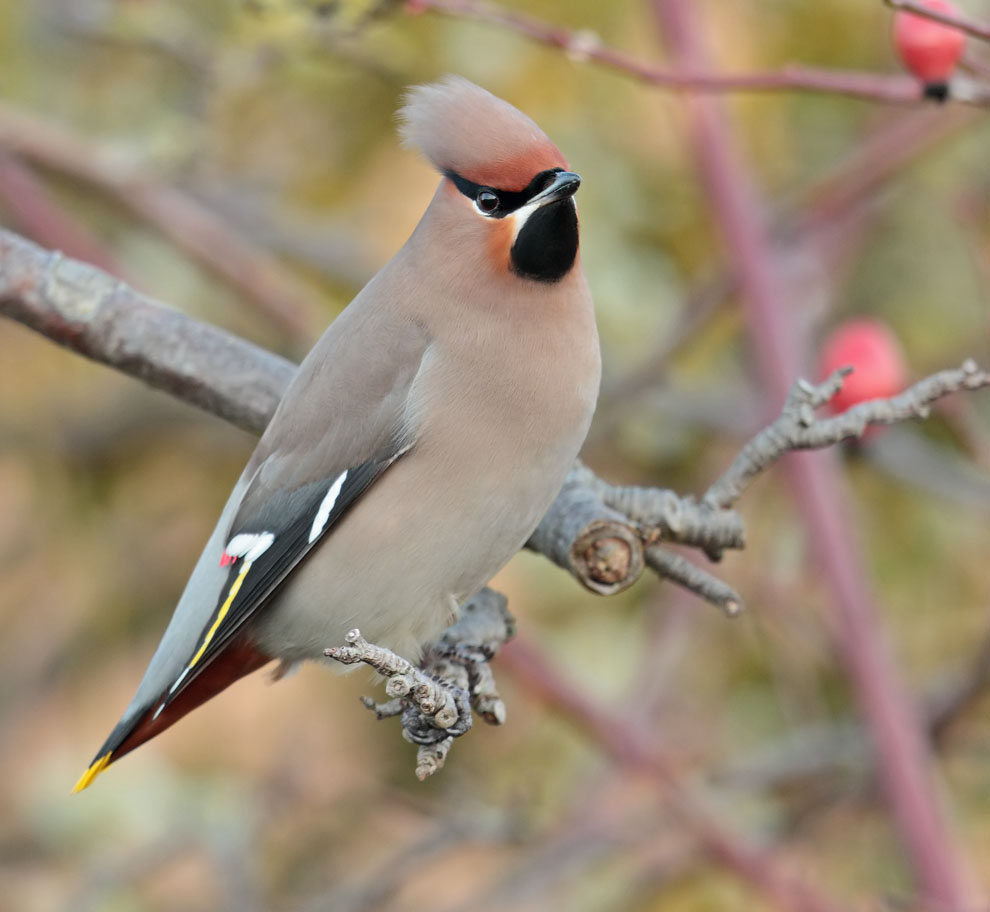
(487, 200)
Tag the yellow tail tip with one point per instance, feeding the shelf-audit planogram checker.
(95, 768)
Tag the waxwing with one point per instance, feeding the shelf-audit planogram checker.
(422, 439)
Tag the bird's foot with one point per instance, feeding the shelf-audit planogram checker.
(435, 699)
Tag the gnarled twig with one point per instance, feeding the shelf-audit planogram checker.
(595, 530)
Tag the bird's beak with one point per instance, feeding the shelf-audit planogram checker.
(565, 184)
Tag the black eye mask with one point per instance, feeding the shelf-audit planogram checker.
(506, 201)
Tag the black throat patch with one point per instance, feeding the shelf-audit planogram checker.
(547, 244)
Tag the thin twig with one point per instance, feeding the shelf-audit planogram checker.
(903, 756)
(823, 206)
(82, 308)
(678, 570)
(74, 304)
(629, 744)
(595, 530)
(876, 158)
(586, 45)
(965, 24)
(798, 428)
(435, 699)
(286, 301)
(38, 214)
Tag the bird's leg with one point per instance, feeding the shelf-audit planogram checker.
(435, 699)
(484, 626)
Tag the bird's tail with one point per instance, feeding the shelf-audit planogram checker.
(238, 659)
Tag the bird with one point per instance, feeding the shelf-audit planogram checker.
(421, 440)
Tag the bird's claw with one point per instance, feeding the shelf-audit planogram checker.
(435, 699)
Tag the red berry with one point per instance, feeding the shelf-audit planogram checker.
(873, 351)
(928, 49)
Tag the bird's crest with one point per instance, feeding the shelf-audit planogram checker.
(462, 128)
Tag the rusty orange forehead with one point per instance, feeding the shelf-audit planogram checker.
(516, 173)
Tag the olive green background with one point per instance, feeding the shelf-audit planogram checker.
(291, 797)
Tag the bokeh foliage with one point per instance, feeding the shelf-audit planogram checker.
(281, 115)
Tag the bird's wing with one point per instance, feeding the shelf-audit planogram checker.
(268, 543)
(310, 468)
(345, 418)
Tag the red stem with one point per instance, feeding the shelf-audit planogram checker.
(628, 745)
(40, 216)
(259, 276)
(586, 46)
(902, 754)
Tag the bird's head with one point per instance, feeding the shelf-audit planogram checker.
(506, 185)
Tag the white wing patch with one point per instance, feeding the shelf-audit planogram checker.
(249, 545)
(323, 514)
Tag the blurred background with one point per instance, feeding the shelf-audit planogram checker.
(238, 161)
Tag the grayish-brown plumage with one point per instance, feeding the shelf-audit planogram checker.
(454, 391)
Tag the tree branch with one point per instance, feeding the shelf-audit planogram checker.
(35, 212)
(96, 315)
(286, 301)
(595, 530)
(604, 535)
(586, 45)
(903, 758)
(798, 428)
(435, 699)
